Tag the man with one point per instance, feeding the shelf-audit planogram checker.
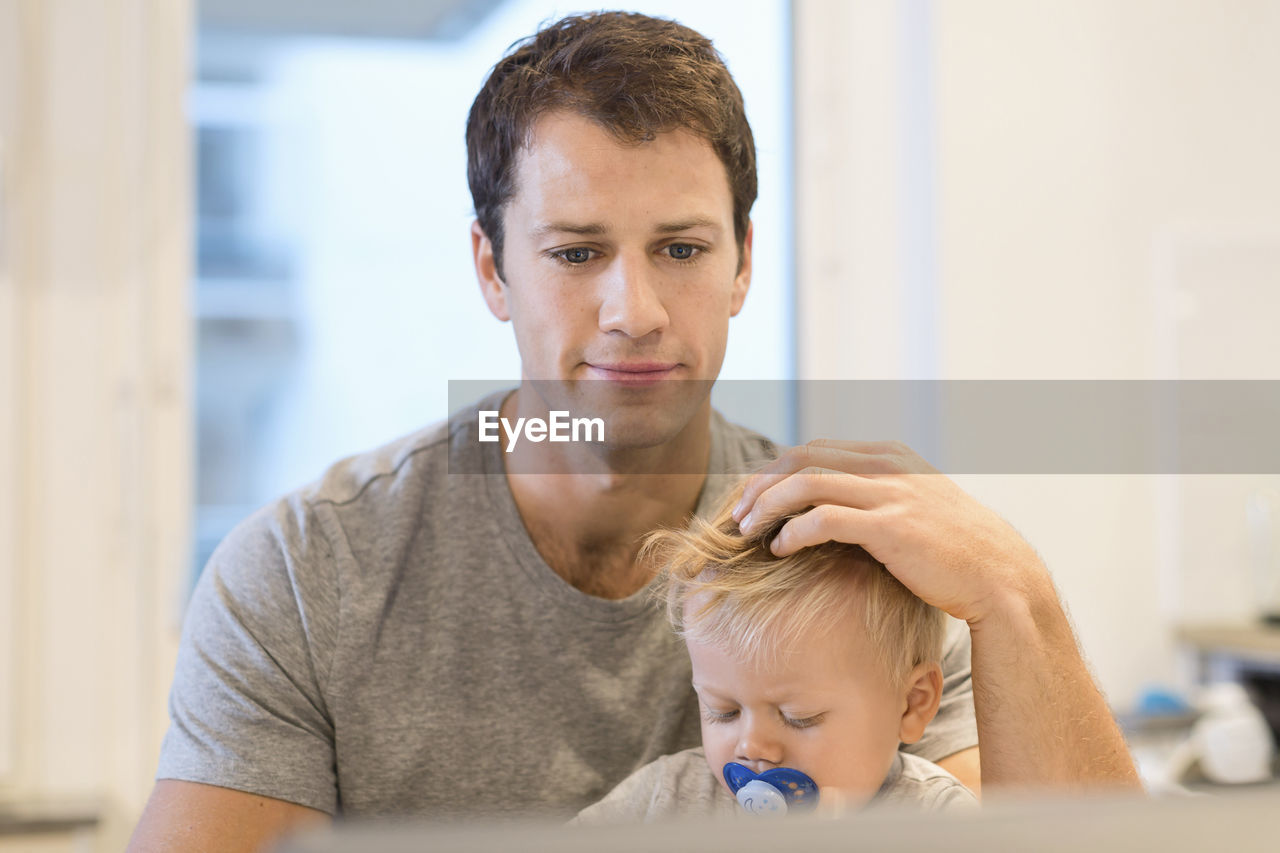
(446, 629)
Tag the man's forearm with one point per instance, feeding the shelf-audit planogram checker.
(1042, 722)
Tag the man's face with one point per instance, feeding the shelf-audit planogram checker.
(622, 269)
(826, 709)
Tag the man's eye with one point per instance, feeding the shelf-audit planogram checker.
(576, 255)
(682, 251)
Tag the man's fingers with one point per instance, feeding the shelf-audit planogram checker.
(873, 448)
(822, 524)
(809, 487)
(850, 457)
(870, 457)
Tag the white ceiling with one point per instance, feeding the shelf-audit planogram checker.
(396, 19)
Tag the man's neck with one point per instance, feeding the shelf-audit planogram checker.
(588, 518)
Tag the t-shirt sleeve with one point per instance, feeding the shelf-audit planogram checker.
(955, 727)
(953, 798)
(631, 801)
(247, 708)
(673, 786)
(921, 784)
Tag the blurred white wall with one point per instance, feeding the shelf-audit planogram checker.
(95, 422)
(1064, 183)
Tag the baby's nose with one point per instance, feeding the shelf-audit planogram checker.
(758, 751)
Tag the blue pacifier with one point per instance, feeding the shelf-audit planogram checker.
(773, 792)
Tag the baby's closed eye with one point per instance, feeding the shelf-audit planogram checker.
(714, 716)
(802, 722)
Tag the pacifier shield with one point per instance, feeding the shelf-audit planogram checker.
(773, 792)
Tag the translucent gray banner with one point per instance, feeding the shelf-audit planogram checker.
(961, 427)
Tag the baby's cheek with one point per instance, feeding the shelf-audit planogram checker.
(717, 748)
(859, 779)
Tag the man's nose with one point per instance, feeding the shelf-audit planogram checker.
(631, 302)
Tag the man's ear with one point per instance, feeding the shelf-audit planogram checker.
(492, 288)
(742, 282)
(920, 704)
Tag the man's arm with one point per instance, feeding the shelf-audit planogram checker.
(187, 816)
(965, 766)
(248, 708)
(1041, 720)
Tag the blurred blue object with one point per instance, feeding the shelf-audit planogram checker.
(1159, 701)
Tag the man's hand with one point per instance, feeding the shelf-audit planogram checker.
(1042, 723)
(943, 545)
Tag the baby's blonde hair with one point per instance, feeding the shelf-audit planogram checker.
(729, 591)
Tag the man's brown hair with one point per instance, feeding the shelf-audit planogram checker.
(635, 75)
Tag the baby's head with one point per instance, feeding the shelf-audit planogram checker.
(821, 661)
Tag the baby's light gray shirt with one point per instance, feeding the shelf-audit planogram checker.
(683, 786)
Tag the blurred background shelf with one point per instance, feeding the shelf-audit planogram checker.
(1251, 643)
(47, 826)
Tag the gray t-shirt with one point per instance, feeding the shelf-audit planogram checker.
(683, 786)
(388, 641)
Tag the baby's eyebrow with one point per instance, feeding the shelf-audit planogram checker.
(703, 690)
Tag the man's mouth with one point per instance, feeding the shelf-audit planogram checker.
(632, 372)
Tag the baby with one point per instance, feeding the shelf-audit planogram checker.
(820, 662)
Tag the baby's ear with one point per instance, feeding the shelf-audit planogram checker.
(923, 693)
